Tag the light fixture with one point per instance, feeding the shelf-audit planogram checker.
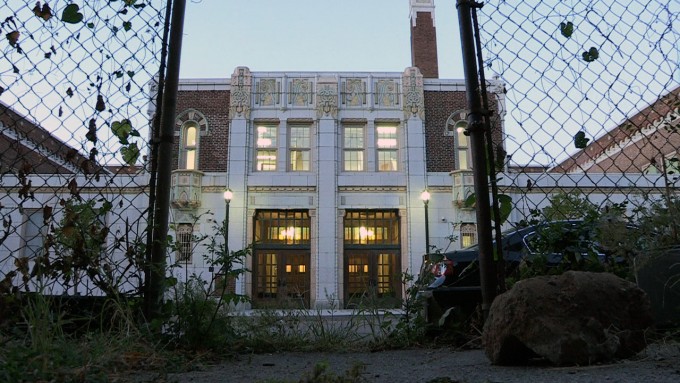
(425, 196)
(228, 195)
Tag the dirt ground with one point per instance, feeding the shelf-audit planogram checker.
(658, 363)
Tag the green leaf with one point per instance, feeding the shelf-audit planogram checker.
(591, 55)
(127, 25)
(470, 201)
(71, 14)
(90, 25)
(130, 153)
(130, 2)
(580, 140)
(122, 130)
(567, 29)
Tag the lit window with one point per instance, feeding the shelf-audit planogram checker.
(34, 233)
(468, 234)
(266, 148)
(353, 144)
(462, 147)
(189, 146)
(299, 148)
(387, 147)
(185, 234)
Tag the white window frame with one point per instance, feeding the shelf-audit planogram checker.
(295, 147)
(387, 147)
(360, 149)
(184, 236)
(266, 143)
(186, 147)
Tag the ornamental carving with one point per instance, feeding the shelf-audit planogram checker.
(327, 99)
(354, 92)
(300, 92)
(268, 92)
(413, 91)
(386, 93)
(241, 89)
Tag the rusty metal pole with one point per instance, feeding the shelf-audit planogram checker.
(153, 298)
(476, 132)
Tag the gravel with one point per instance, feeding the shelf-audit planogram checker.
(657, 363)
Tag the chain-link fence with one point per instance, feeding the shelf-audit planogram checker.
(592, 98)
(75, 109)
(591, 111)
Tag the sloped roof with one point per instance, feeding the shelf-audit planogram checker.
(616, 138)
(26, 146)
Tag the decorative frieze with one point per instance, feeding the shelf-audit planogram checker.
(354, 92)
(414, 98)
(241, 89)
(268, 92)
(386, 93)
(327, 97)
(301, 91)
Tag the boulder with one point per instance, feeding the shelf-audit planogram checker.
(577, 318)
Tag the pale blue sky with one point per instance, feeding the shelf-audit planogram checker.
(309, 35)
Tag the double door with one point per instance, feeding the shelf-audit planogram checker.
(372, 278)
(281, 278)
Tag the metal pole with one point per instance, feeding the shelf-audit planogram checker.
(427, 230)
(154, 294)
(226, 231)
(476, 131)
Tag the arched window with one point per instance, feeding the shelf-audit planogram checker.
(192, 125)
(189, 147)
(456, 126)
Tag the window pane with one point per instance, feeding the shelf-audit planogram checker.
(299, 137)
(190, 159)
(266, 137)
(462, 159)
(387, 137)
(184, 243)
(266, 160)
(462, 138)
(354, 137)
(299, 160)
(354, 160)
(190, 136)
(387, 160)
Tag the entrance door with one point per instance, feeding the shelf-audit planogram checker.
(282, 278)
(372, 278)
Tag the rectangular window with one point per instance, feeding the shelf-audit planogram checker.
(353, 146)
(387, 145)
(468, 234)
(300, 144)
(185, 235)
(266, 148)
(34, 233)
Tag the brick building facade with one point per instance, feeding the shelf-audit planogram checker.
(326, 172)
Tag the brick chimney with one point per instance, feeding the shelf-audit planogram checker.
(424, 38)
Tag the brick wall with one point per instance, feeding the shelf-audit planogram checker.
(212, 146)
(424, 45)
(440, 148)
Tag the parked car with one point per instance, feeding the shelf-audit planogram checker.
(453, 278)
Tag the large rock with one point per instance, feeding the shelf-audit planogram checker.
(576, 318)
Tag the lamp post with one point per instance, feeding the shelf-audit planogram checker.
(425, 196)
(228, 195)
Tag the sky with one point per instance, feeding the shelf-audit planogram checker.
(309, 35)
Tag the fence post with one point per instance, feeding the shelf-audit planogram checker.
(155, 285)
(476, 132)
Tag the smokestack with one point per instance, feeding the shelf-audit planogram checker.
(424, 38)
